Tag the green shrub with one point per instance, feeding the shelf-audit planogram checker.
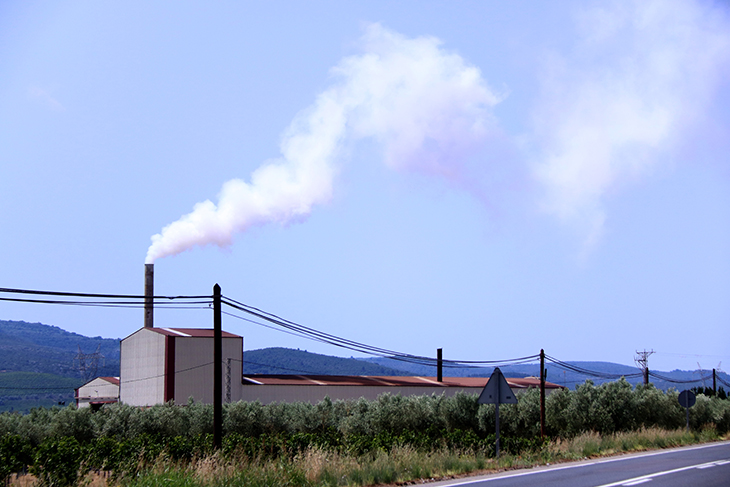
(15, 455)
(57, 461)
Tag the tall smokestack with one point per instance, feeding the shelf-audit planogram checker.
(149, 292)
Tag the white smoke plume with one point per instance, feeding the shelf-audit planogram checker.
(639, 77)
(427, 107)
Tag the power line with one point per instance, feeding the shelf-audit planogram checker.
(678, 381)
(112, 304)
(588, 372)
(93, 295)
(35, 388)
(334, 340)
(104, 300)
(163, 375)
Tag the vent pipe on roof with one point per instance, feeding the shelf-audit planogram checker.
(149, 292)
(439, 365)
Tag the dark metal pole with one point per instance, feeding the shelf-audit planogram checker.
(714, 383)
(217, 369)
(542, 393)
(439, 365)
(496, 422)
(646, 375)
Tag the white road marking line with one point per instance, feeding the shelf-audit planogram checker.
(535, 471)
(636, 480)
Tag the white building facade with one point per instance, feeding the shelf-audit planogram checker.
(159, 365)
(97, 392)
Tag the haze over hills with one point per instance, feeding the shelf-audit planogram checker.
(38, 367)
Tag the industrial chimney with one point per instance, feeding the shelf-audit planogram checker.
(149, 292)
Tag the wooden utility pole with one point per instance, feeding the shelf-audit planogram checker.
(714, 383)
(542, 393)
(217, 369)
(439, 365)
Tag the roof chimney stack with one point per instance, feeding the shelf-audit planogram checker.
(149, 292)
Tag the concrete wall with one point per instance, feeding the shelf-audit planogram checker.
(98, 391)
(142, 368)
(194, 368)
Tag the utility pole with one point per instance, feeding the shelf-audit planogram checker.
(542, 393)
(217, 369)
(642, 361)
(714, 383)
(439, 365)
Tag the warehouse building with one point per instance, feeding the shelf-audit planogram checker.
(159, 365)
(268, 389)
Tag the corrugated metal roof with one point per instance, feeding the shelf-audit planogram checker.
(190, 332)
(386, 381)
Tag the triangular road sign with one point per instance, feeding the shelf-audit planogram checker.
(497, 391)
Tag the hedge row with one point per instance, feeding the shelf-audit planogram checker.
(119, 437)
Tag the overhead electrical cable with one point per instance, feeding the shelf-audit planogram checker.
(113, 304)
(679, 381)
(591, 373)
(334, 340)
(95, 295)
(109, 300)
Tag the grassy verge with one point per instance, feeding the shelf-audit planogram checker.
(320, 467)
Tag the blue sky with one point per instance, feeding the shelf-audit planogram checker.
(489, 178)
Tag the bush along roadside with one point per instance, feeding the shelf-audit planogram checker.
(56, 444)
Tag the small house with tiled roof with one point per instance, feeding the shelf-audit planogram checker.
(97, 392)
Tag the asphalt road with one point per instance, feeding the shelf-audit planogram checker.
(705, 465)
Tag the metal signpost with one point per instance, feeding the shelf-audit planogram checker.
(497, 392)
(687, 400)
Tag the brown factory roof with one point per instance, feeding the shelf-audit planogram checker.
(386, 381)
(190, 332)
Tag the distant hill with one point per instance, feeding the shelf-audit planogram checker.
(290, 361)
(35, 347)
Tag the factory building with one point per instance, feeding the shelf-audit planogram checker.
(175, 364)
